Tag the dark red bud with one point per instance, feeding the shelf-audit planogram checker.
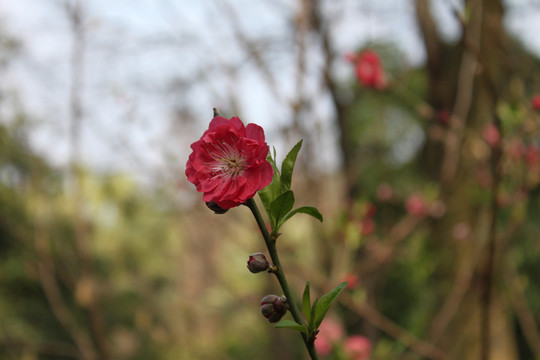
(257, 262)
(273, 307)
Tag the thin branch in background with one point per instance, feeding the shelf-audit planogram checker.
(386, 325)
(488, 271)
(303, 119)
(461, 285)
(429, 32)
(54, 297)
(76, 19)
(464, 93)
(332, 89)
(525, 315)
(7, 339)
(396, 235)
(250, 47)
(48, 349)
(378, 320)
(302, 22)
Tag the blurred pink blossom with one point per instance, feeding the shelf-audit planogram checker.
(369, 69)
(368, 226)
(415, 205)
(322, 345)
(330, 332)
(491, 135)
(535, 102)
(352, 279)
(357, 347)
(531, 155)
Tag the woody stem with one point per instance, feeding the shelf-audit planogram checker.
(280, 274)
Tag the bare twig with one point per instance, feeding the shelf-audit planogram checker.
(302, 26)
(332, 87)
(76, 16)
(250, 47)
(397, 234)
(54, 297)
(524, 313)
(489, 268)
(429, 33)
(462, 105)
(377, 319)
(452, 302)
(49, 348)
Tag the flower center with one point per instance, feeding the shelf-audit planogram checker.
(232, 167)
(228, 161)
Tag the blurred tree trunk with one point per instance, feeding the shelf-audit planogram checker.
(467, 80)
(470, 88)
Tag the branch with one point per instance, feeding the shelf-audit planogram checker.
(421, 347)
(249, 46)
(524, 313)
(54, 297)
(464, 95)
(462, 283)
(75, 16)
(396, 235)
(55, 349)
(428, 29)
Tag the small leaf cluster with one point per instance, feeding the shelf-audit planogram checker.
(278, 198)
(314, 313)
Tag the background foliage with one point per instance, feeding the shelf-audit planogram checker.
(418, 201)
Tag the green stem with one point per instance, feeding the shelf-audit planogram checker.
(291, 299)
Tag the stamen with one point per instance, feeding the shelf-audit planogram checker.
(228, 161)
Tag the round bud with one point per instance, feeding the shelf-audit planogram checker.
(273, 307)
(257, 262)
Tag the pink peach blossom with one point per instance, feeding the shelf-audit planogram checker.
(228, 164)
(369, 69)
(415, 205)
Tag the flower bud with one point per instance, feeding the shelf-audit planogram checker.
(257, 262)
(216, 208)
(273, 307)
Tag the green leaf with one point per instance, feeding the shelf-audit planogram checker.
(310, 210)
(289, 324)
(280, 207)
(272, 191)
(311, 322)
(325, 302)
(287, 167)
(306, 302)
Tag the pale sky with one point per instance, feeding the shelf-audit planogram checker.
(135, 48)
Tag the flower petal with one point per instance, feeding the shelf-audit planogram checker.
(255, 132)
